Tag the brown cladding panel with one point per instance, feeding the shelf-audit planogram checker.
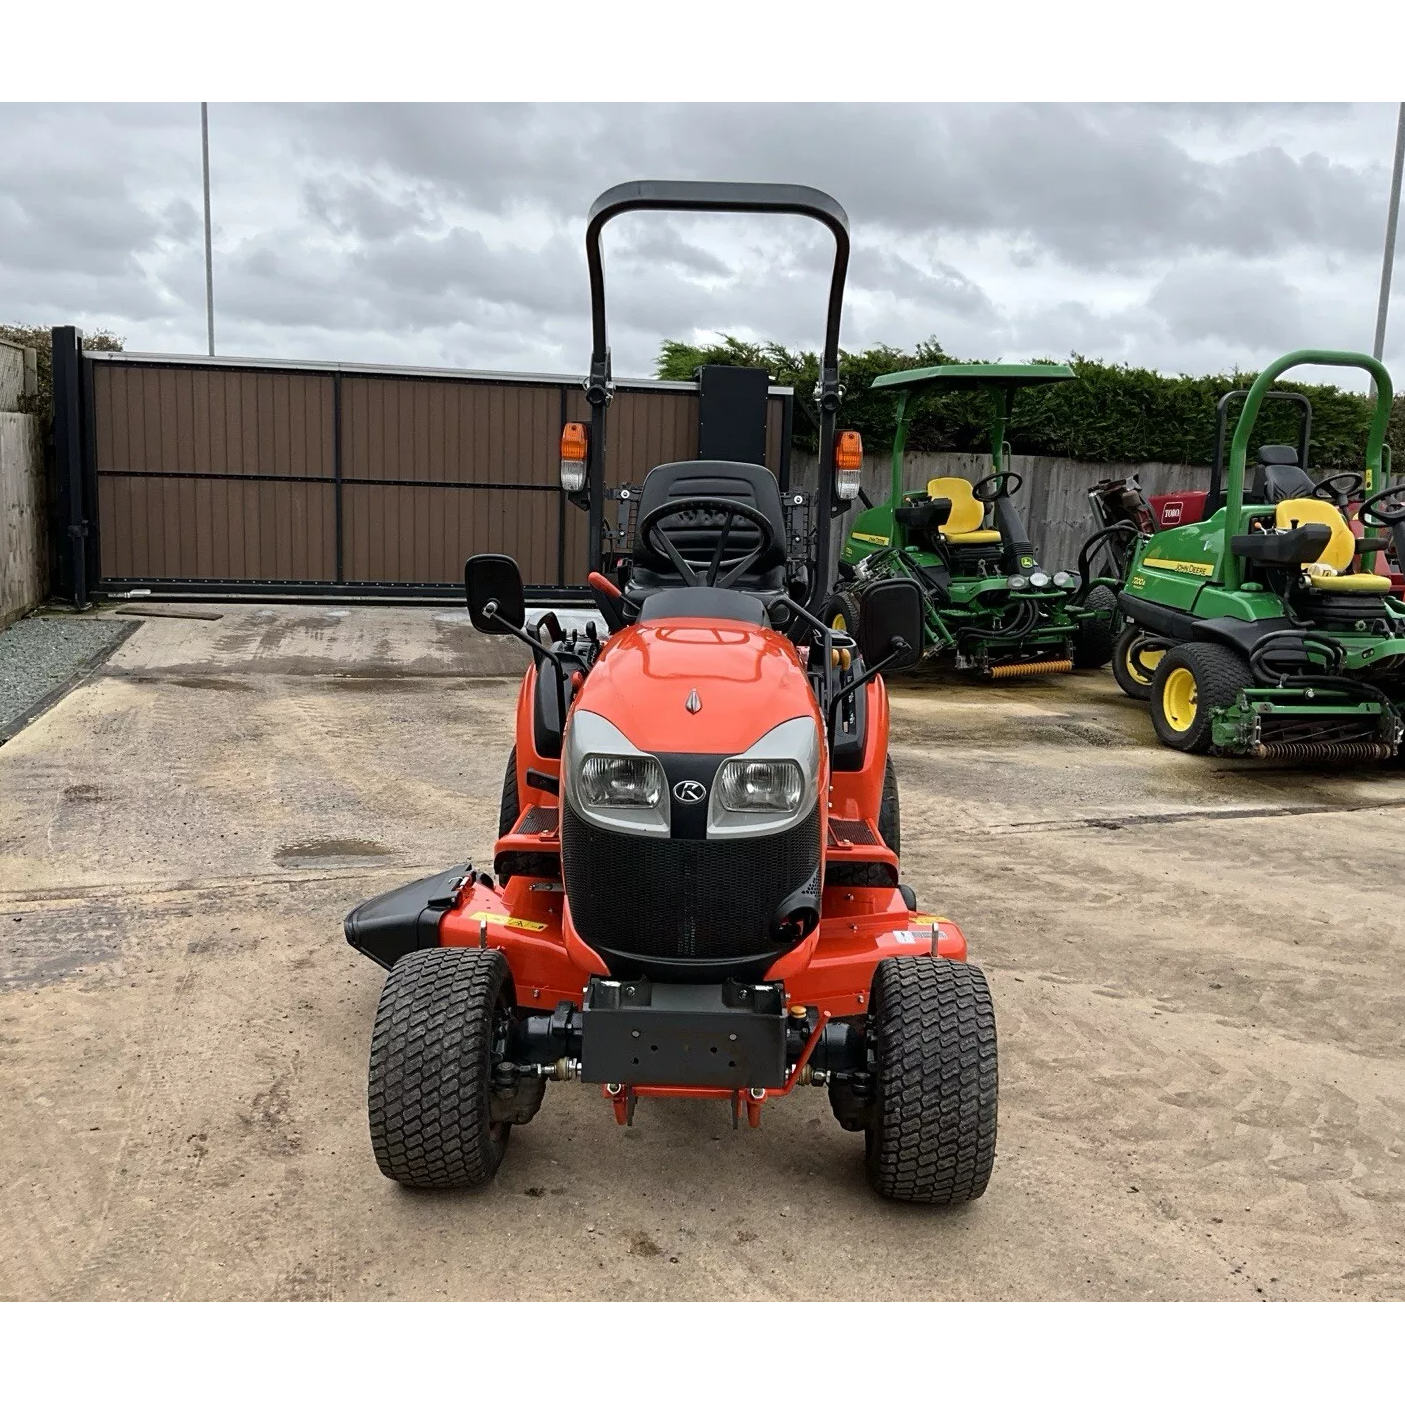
(648, 427)
(423, 535)
(181, 419)
(188, 419)
(450, 431)
(215, 529)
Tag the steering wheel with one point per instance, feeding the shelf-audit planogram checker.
(1376, 511)
(1339, 496)
(730, 511)
(1001, 486)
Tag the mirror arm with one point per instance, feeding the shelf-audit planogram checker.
(897, 646)
(490, 611)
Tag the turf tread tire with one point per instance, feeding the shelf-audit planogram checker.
(1094, 639)
(429, 1090)
(1220, 675)
(518, 865)
(932, 1128)
(1120, 671)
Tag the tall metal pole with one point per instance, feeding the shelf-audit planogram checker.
(1391, 220)
(209, 251)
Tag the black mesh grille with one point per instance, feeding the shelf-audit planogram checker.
(683, 900)
(540, 819)
(852, 831)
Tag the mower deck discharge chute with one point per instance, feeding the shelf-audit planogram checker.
(695, 890)
(1265, 630)
(990, 606)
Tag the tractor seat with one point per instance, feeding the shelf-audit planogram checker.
(963, 523)
(695, 536)
(1329, 570)
(1279, 476)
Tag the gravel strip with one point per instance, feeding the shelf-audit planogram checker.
(40, 654)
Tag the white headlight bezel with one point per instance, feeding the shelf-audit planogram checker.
(796, 741)
(589, 735)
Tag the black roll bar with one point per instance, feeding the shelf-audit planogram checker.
(1214, 499)
(731, 197)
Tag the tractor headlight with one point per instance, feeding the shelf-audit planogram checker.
(1066, 580)
(1017, 583)
(770, 785)
(610, 781)
(1039, 579)
(626, 782)
(759, 787)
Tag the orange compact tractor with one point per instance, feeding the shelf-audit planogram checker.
(695, 893)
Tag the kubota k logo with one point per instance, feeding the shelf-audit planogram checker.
(689, 792)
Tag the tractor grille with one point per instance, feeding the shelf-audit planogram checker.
(666, 900)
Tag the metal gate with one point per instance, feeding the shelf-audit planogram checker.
(196, 475)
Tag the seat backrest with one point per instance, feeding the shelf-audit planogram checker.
(1279, 476)
(1340, 549)
(966, 513)
(695, 535)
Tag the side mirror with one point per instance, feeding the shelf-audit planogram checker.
(494, 581)
(890, 624)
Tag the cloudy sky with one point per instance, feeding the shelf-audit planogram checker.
(1188, 238)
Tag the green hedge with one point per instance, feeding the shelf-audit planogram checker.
(42, 340)
(1111, 414)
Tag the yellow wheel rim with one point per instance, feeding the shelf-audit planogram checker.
(1178, 704)
(1149, 657)
(839, 622)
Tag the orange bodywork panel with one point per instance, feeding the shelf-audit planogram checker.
(748, 679)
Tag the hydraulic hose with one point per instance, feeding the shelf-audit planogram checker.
(1265, 673)
(1027, 616)
(1101, 539)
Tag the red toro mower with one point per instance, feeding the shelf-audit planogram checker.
(695, 893)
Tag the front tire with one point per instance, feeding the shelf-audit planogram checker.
(930, 1139)
(1093, 639)
(430, 1087)
(1190, 683)
(1134, 675)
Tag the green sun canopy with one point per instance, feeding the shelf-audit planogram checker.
(1010, 377)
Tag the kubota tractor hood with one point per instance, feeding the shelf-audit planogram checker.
(700, 686)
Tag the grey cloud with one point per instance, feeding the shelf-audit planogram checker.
(454, 232)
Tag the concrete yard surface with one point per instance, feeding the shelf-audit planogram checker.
(1198, 968)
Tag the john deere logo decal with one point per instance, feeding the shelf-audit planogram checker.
(1185, 568)
(689, 792)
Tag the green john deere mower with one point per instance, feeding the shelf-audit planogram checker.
(991, 608)
(1270, 631)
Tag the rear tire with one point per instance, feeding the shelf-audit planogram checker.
(1134, 680)
(843, 605)
(930, 1138)
(1191, 681)
(1093, 641)
(509, 811)
(430, 1087)
(890, 830)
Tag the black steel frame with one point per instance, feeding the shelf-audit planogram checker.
(728, 197)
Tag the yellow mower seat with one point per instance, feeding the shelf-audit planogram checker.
(963, 527)
(1326, 572)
